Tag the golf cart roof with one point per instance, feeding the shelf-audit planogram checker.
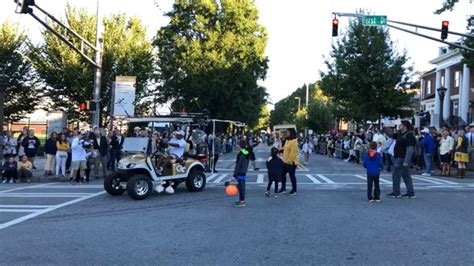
(161, 119)
(235, 123)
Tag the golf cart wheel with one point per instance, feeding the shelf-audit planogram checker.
(112, 184)
(139, 187)
(196, 181)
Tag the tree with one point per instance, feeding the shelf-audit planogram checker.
(448, 5)
(366, 75)
(22, 94)
(126, 51)
(264, 120)
(285, 111)
(212, 55)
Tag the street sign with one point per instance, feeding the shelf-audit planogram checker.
(374, 20)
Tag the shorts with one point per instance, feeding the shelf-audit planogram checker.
(445, 158)
(30, 154)
(79, 165)
(252, 156)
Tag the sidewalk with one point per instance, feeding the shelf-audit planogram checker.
(436, 173)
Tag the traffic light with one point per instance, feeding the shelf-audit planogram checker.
(87, 106)
(444, 30)
(335, 24)
(23, 6)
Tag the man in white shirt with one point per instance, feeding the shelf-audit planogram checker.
(79, 157)
(178, 144)
(470, 136)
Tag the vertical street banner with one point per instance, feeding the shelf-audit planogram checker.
(123, 96)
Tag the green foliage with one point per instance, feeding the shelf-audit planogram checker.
(448, 5)
(126, 52)
(285, 110)
(211, 57)
(366, 76)
(21, 89)
(264, 120)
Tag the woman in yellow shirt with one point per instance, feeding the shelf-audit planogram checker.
(291, 158)
(61, 155)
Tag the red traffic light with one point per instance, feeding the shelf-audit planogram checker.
(335, 24)
(445, 23)
(444, 30)
(83, 107)
(335, 21)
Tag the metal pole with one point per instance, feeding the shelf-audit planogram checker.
(307, 95)
(441, 110)
(213, 139)
(3, 88)
(431, 28)
(98, 69)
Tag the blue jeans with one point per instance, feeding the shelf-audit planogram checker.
(428, 158)
(388, 161)
(401, 172)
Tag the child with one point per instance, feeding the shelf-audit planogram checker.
(374, 164)
(24, 170)
(275, 171)
(240, 172)
(10, 173)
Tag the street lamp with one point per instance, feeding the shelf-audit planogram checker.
(441, 93)
(299, 102)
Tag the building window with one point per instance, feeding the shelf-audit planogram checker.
(456, 108)
(457, 77)
(428, 87)
(442, 81)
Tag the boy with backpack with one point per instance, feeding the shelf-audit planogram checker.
(275, 171)
(373, 162)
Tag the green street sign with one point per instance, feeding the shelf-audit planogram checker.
(374, 20)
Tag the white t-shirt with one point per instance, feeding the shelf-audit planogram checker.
(178, 151)
(78, 152)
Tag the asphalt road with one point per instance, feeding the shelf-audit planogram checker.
(329, 222)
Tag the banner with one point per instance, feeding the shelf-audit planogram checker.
(123, 96)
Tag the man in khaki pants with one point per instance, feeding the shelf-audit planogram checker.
(100, 153)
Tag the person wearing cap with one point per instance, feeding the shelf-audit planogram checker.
(136, 132)
(178, 144)
(429, 149)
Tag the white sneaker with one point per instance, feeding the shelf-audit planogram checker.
(426, 174)
(4, 181)
(11, 181)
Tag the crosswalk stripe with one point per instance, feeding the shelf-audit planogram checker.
(329, 181)
(16, 210)
(440, 180)
(260, 179)
(211, 177)
(27, 206)
(383, 181)
(315, 180)
(427, 180)
(220, 178)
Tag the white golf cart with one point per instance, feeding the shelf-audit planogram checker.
(137, 171)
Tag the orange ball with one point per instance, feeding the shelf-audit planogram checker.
(232, 190)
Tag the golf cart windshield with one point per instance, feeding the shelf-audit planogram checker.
(135, 145)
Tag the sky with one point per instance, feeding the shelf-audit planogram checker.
(299, 30)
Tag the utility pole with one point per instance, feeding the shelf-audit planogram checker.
(98, 68)
(307, 95)
(3, 88)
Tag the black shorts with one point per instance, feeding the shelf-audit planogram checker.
(252, 156)
(445, 158)
(30, 154)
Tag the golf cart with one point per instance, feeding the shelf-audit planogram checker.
(138, 172)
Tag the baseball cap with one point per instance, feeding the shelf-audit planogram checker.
(180, 132)
(425, 130)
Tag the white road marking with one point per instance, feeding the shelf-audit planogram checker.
(211, 177)
(440, 180)
(427, 180)
(312, 178)
(382, 181)
(39, 212)
(16, 210)
(69, 186)
(260, 179)
(35, 186)
(43, 195)
(220, 178)
(27, 206)
(329, 181)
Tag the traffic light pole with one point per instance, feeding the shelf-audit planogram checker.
(24, 7)
(416, 33)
